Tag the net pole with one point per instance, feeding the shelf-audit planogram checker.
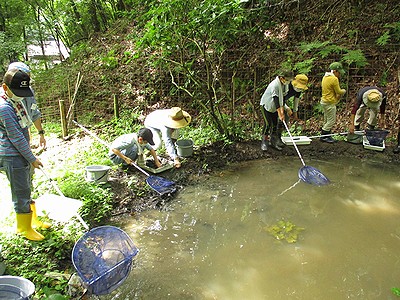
(294, 144)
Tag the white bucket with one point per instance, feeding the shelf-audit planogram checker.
(97, 174)
(14, 287)
(184, 148)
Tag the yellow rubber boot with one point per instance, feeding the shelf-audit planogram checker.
(24, 227)
(36, 223)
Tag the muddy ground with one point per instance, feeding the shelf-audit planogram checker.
(213, 159)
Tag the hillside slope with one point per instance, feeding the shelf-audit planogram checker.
(110, 70)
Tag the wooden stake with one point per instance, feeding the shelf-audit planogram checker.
(116, 107)
(61, 104)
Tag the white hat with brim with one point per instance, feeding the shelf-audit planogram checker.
(372, 98)
(177, 118)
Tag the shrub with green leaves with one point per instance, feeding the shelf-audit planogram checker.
(97, 199)
(47, 263)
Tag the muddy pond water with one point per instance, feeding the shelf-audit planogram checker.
(213, 240)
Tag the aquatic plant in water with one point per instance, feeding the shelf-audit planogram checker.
(285, 230)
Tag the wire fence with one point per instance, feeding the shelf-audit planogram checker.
(245, 85)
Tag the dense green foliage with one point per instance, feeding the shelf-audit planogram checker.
(24, 22)
(212, 57)
(46, 263)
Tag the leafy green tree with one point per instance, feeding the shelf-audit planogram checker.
(189, 40)
(24, 22)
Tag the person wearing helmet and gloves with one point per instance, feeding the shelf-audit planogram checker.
(331, 94)
(16, 157)
(274, 110)
(165, 125)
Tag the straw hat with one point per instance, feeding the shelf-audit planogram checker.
(177, 118)
(300, 82)
(374, 96)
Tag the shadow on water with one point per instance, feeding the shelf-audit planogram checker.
(211, 242)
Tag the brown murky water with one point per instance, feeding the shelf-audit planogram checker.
(211, 242)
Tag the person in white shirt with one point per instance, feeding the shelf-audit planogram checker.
(274, 109)
(165, 125)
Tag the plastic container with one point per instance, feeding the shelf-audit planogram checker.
(97, 174)
(184, 148)
(16, 288)
(299, 140)
(367, 145)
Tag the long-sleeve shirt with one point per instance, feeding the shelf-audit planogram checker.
(128, 141)
(360, 96)
(30, 104)
(155, 120)
(292, 93)
(275, 90)
(331, 90)
(14, 140)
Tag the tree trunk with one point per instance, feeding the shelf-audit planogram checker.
(93, 14)
(78, 18)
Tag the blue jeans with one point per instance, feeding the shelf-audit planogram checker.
(17, 170)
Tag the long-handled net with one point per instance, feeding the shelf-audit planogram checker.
(159, 184)
(306, 173)
(103, 258)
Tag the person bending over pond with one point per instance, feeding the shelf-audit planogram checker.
(372, 98)
(296, 88)
(165, 125)
(274, 109)
(132, 145)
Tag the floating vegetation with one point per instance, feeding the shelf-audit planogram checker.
(284, 230)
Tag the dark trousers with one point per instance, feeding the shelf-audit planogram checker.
(272, 124)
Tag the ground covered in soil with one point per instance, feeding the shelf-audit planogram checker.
(132, 195)
(210, 160)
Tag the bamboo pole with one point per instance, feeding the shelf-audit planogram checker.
(116, 107)
(70, 112)
(64, 127)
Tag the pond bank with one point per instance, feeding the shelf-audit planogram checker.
(205, 161)
(213, 158)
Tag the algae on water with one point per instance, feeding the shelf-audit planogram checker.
(284, 230)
